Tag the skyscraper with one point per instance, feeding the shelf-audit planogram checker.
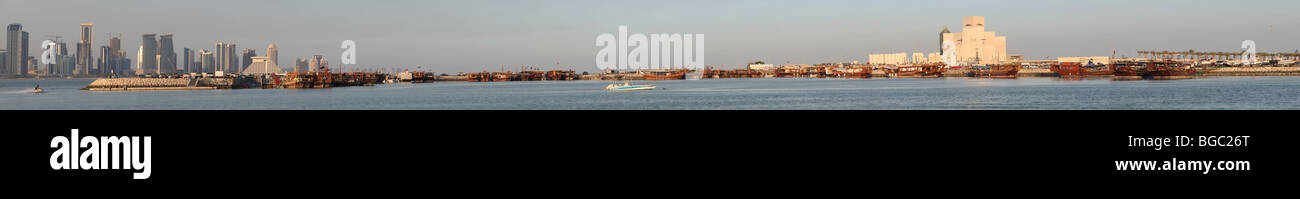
(27, 60)
(4, 60)
(84, 55)
(313, 63)
(300, 65)
(53, 68)
(247, 57)
(63, 51)
(105, 60)
(207, 61)
(188, 65)
(166, 55)
(149, 54)
(115, 44)
(232, 59)
(115, 59)
(139, 59)
(272, 55)
(17, 55)
(64, 63)
(219, 56)
(227, 58)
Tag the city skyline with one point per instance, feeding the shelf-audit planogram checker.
(469, 36)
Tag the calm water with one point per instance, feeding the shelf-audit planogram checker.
(880, 93)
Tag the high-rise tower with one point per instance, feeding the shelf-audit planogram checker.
(148, 54)
(166, 55)
(84, 55)
(272, 55)
(219, 57)
(17, 51)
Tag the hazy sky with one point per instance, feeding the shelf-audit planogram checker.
(475, 35)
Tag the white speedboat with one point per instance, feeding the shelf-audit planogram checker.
(628, 87)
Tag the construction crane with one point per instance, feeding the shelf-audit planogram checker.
(57, 38)
(112, 35)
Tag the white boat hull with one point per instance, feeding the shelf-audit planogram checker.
(632, 88)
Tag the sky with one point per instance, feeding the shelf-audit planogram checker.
(476, 35)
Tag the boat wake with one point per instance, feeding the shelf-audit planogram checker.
(24, 91)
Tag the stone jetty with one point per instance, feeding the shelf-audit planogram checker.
(1254, 71)
(134, 83)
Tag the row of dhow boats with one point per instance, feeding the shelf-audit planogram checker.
(1144, 69)
(1138, 69)
(938, 70)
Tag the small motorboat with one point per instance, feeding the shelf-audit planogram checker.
(628, 87)
(37, 90)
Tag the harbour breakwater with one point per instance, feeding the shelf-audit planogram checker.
(1255, 71)
(137, 83)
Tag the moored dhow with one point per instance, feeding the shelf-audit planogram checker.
(923, 70)
(679, 74)
(560, 75)
(1127, 69)
(996, 70)
(1171, 69)
(1075, 69)
(860, 72)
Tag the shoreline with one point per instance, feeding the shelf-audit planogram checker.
(221, 83)
(1037, 72)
